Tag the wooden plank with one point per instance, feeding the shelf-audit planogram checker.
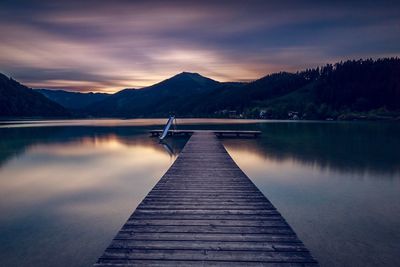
(226, 237)
(206, 229)
(222, 255)
(200, 206)
(144, 262)
(205, 211)
(208, 245)
(205, 217)
(192, 222)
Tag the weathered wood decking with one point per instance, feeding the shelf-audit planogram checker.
(205, 212)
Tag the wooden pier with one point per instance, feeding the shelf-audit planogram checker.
(205, 211)
(219, 133)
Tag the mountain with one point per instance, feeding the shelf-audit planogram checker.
(346, 90)
(17, 100)
(242, 96)
(171, 95)
(72, 100)
(354, 89)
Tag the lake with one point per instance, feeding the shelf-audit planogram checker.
(66, 187)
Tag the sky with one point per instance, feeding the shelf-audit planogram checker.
(105, 46)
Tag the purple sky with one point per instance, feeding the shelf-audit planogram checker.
(111, 45)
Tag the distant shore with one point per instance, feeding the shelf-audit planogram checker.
(343, 117)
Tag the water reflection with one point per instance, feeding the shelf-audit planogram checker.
(67, 187)
(15, 141)
(357, 148)
(65, 192)
(337, 185)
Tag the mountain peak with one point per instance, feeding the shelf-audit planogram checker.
(186, 73)
(191, 78)
(193, 75)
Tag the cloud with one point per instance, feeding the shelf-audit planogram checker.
(110, 45)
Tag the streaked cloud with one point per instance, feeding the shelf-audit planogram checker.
(110, 45)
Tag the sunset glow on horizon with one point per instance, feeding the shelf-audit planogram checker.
(106, 46)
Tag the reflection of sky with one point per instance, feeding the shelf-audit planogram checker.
(94, 167)
(96, 183)
(337, 214)
(110, 45)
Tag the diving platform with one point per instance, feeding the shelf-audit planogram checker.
(205, 211)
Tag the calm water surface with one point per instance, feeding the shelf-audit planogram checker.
(66, 187)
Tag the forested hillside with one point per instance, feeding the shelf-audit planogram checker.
(362, 89)
(72, 100)
(17, 100)
(350, 89)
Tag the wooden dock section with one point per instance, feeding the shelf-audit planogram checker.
(219, 133)
(206, 212)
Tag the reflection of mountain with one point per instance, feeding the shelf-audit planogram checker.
(15, 141)
(346, 147)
